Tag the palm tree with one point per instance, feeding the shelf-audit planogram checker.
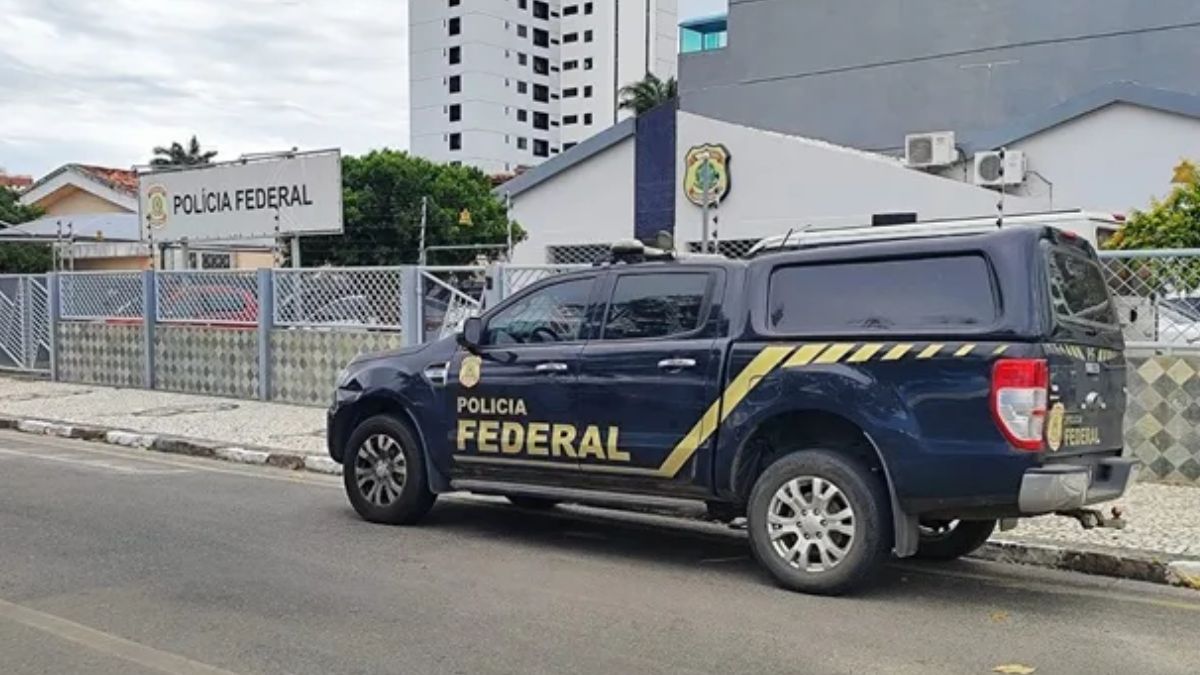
(177, 155)
(647, 93)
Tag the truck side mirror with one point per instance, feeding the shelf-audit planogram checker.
(472, 334)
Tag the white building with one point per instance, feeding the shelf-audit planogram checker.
(499, 84)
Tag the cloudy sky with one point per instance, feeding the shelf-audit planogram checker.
(104, 82)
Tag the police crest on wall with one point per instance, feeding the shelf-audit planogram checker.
(706, 172)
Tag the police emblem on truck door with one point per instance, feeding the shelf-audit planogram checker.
(470, 371)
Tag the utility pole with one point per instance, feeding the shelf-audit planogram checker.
(508, 224)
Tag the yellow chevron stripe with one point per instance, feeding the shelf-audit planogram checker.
(930, 351)
(834, 353)
(896, 353)
(864, 353)
(1000, 350)
(804, 355)
(963, 351)
(763, 363)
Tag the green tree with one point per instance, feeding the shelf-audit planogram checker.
(1173, 222)
(381, 195)
(647, 93)
(20, 258)
(179, 155)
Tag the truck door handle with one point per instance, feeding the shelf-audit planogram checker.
(676, 364)
(551, 368)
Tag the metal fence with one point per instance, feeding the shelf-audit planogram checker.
(210, 297)
(25, 341)
(367, 297)
(100, 295)
(1157, 294)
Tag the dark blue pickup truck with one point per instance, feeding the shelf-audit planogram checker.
(852, 402)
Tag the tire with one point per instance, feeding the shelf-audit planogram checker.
(534, 503)
(383, 441)
(950, 540)
(839, 554)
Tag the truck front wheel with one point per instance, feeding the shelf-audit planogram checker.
(384, 473)
(819, 522)
(952, 539)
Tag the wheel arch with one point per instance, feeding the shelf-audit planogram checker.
(775, 435)
(385, 402)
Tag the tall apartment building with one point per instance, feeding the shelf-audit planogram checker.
(499, 84)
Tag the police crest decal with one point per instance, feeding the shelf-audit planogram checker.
(469, 371)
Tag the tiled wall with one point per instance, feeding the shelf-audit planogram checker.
(101, 353)
(207, 360)
(304, 363)
(1162, 414)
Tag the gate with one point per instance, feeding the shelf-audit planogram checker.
(24, 323)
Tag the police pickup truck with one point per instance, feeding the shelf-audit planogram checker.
(854, 400)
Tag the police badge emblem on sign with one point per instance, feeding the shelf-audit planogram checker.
(469, 371)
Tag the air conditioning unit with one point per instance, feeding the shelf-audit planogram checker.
(923, 151)
(992, 171)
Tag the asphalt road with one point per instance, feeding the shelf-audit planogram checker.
(119, 562)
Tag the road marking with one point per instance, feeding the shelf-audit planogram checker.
(127, 650)
(102, 465)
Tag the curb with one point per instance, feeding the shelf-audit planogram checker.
(1122, 564)
(175, 445)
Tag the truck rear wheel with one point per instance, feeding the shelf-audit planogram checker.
(819, 522)
(952, 539)
(384, 473)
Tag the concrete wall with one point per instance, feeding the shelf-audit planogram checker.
(74, 201)
(779, 182)
(864, 73)
(100, 353)
(592, 202)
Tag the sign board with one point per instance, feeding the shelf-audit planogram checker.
(706, 173)
(292, 194)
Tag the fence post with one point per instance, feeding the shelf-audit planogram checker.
(412, 306)
(54, 309)
(266, 321)
(493, 291)
(149, 321)
(28, 350)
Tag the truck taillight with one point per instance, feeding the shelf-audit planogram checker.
(1018, 400)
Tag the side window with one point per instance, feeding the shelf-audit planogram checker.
(655, 305)
(552, 314)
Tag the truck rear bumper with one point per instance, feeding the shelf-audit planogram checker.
(1065, 487)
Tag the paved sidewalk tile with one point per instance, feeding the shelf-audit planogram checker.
(238, 422)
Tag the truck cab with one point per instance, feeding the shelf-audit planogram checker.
(854, 400)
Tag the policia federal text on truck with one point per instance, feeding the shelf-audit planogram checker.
(853, 400)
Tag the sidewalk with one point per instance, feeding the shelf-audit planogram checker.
(1163, 520)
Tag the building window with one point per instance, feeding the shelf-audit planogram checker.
(588, 36)
(456, 141)
(570, 10)
(571, 65)
(454, 3)
(455, 112)
(522, 4)
(541, 65)
(522, 31)
(570, 119)
(522, 88)
(587, 118)
(588, 63)
(541, 148)
(522, 115)
(570, 37)
(522, 58)
(522, 143)
(570, 92)
(587, 7)
(455, 26)
(541, 93)
(454, 84)
(541, 38)
(587, 91)
(541, 120)
(455, 55)
(541, 10)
